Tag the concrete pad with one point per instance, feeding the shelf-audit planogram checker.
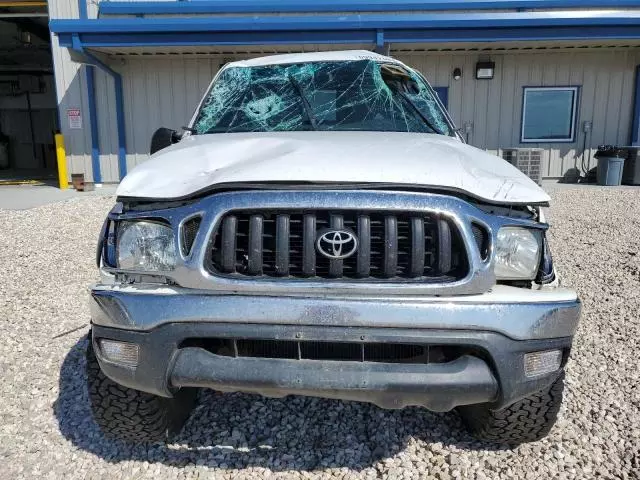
(22, 197)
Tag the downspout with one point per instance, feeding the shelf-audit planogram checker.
(93, 112)
(93, 124)
(635, 125)
(119, 97)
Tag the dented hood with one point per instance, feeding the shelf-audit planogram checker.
(200, 162)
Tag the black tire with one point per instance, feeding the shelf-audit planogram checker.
(527, 420)
(133, 416)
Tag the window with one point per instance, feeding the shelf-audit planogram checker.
(549, 114)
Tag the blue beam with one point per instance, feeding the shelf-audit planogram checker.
(306, 23)
(346, 22)
(324, 6)
(93, 123)
(350, 37)
(349, 29)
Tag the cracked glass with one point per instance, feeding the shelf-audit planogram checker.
(363, 95)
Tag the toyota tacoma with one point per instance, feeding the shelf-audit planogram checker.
(320, 228)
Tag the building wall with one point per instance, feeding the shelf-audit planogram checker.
(606, 80)
(164, 90)
(71, 91)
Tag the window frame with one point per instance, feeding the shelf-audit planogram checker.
(574, 114)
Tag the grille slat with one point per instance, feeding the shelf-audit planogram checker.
(282, 245)
(418, 251)
(255, 245)
(364, 247)
(309, 246)
(229, 229)
(444, 249)
(335, 266)
(392, 246)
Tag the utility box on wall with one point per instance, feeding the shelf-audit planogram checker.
(527, 160)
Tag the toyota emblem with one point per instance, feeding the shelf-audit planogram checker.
(336, 244)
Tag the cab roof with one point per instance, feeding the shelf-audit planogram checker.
(331, 56)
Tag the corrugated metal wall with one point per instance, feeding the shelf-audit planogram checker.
(606, 80)
(71, 90)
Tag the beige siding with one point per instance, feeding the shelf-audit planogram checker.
(605, 78)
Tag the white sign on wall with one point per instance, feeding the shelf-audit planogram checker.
(75, 118)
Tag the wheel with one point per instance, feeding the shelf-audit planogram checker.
(527, 420)
(131, 415)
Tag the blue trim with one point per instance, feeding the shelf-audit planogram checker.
(635, 125)
(93, 123)
(324, 6)
(348, 37)
(122, 141)
(82, 9)
(479, 21)
(91, 59)
(345, 29)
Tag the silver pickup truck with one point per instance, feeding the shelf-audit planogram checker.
(320, 228)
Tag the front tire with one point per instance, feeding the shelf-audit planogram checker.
(133, 416)
(527, 420)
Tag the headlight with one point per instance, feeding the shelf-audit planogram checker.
(145, 246)
(517, 253)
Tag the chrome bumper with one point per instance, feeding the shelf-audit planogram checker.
(513, 312)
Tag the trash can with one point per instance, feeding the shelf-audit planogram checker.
(610, 164)
(631, 171)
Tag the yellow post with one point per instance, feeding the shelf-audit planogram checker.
(62, 161)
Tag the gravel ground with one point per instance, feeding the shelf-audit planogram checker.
(47, 261)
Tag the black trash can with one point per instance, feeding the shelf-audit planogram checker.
(631, 171)
(610, 164)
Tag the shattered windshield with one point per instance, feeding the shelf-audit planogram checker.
(349, 95)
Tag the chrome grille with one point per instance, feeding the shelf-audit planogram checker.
(421, 247)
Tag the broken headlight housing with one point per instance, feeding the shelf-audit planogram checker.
(517, 253)
(145, 246)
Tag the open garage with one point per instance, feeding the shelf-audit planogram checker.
(28, 106)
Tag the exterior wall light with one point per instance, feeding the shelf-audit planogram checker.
(485, 70)
(457, 74)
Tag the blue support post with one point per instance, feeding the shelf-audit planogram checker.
(82, 9)
(122, 141)
(380, 47)
(635, 125)
(91, 59)
(93, 123)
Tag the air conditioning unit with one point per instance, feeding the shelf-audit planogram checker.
(527, 160)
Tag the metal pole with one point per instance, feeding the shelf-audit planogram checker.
(33, 133)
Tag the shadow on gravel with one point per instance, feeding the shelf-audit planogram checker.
(240, 430)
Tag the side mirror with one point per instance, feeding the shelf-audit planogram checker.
(163, 138)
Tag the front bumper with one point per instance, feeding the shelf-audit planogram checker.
(494, 330)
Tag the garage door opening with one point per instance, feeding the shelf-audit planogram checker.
(28, 113)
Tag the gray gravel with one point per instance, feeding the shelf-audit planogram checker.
(47, 262)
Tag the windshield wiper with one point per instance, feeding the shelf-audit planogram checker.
(424, 118)
(305, 102)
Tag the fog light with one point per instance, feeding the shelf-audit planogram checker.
(540, 363)
(122, 353)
